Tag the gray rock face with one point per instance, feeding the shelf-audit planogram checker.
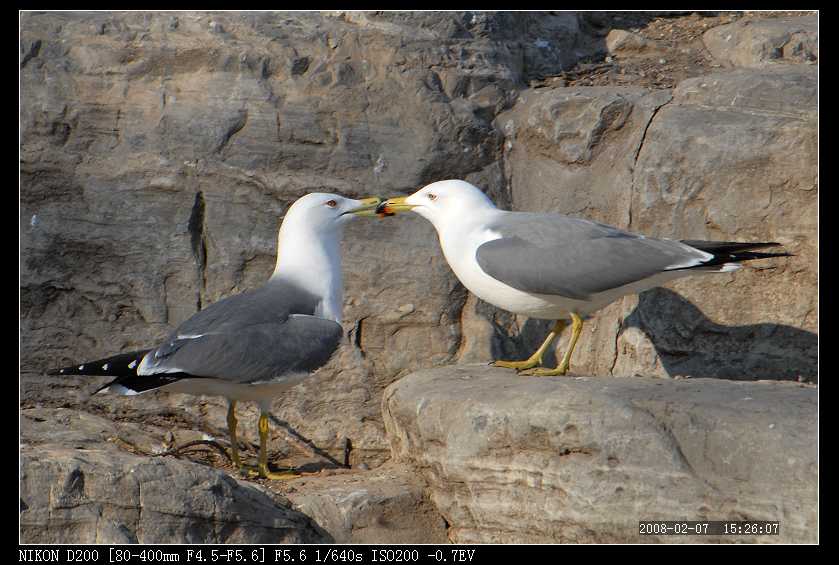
(758, 43)
(539, 460)
(76, 488)
(387, 505)
(733, 157)
(86, 478)
(622, 42)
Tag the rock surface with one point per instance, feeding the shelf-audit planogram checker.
(87, 479)
(387, 505)
(622, 42)
(540, 460)
(758, 43)
(78, 488)
(732, 157)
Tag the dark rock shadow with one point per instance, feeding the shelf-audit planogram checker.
(599, 24)
(689, 343)
(590, 48)
(327, 462)
(512, 344)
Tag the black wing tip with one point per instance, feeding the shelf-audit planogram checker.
(70, 370)
(728, 246)
(724, 252)
(123, 364)
(755, 255)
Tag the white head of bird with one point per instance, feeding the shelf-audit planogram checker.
(443, 202)
(309, 242)
(324, 213)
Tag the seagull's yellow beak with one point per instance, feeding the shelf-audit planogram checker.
(393, 206)
(367, 208)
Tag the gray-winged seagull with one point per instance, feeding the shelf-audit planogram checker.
(555, 267)
(255, 345)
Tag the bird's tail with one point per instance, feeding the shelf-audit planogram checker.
(122, 365)
(123, 368)
(727, 255)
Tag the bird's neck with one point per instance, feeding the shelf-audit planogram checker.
(312, 260)
(461, 235)
(456, 219)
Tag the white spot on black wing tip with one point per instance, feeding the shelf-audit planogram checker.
(81, 367)
(105, 367)
(61, 370)
(132, 364)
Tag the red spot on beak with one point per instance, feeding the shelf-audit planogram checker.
(383, 211)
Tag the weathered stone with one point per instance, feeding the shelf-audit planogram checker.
(757, 43)
(622, 42)
(387, 505)
(512, 459)
(733, 158)
(77, 488)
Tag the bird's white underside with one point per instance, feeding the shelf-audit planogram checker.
(262, 393)
(254, 392)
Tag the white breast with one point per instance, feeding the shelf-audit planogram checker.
(262, 393)
(460, 245)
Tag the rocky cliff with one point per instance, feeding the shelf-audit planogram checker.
(160, 150)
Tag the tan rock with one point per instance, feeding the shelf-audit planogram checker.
(513, 459)
(761, 42)
(387, 505)
(91, 491)
(622, 42)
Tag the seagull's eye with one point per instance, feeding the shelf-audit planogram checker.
(331, 203)
(431, 196)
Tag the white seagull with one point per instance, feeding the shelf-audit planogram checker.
(255, 345)
(551, 266)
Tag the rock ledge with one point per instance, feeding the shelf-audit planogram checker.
(583, 459)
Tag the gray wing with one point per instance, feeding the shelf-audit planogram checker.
(250, 337)
(575, 258)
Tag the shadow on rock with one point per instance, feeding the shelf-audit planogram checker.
(689, 343)
(511, 343)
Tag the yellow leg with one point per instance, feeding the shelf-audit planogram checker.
(232, 423)
(231, 428)
(263, 453)
(565, 364)
(535, 359)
